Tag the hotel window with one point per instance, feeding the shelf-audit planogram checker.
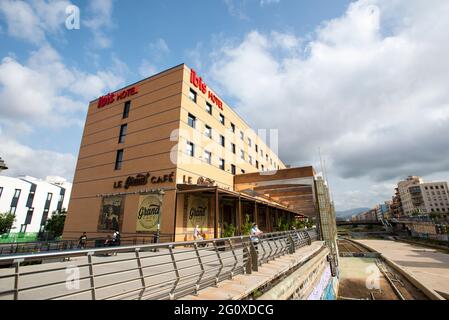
(123, 129)
(190, 149)
(233, 169)
(17, 193)
(208, 131)
(208, 156)
(1, 191)
(222, 140)
(249, 142)
(243, 171)
(250, 159)
(119, 159)
(257, 164)
(191, 120)
(242, 154)
(13, 210)
(221, 163)
(266, 157)
(241, 135)
(257, 148)
(261, 152)
(126, 109)
(233, 148)
(192, 95)
(262, 167)
(222, 119)
(208, 108)
(271, 161)
(232, 127)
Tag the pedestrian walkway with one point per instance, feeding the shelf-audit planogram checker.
(242, 286)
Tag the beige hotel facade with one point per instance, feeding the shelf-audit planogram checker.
(167, 153)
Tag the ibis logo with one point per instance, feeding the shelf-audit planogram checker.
(201, 85)
(112, 97)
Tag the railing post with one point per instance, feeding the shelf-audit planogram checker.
(291, 244)
(142, 278)
(16, 278)
(172, 292)
(254, 257)
(197, 284)
(248, 265)
(221, 263)
(235, 258)
(91, 275)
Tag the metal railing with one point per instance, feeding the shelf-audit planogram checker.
(61, 245)
(153, 271)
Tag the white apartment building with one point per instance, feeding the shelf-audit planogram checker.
(33, 200)
(427, 197)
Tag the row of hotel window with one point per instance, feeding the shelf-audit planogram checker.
(29, 216)
(192, 119)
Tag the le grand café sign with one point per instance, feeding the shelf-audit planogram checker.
(142, 179)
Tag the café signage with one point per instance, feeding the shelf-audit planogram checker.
(148, 214)
(143, 179)
(198, 83)
(112, 97)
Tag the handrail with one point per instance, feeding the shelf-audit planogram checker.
(147, 271)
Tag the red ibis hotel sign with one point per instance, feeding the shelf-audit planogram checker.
(112, 97)
(198, 82)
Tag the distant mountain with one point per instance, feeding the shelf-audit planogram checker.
(350, 212)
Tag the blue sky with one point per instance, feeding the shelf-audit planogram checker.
(366, 81)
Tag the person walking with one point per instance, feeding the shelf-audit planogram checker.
(116, 238)
(197, 233)
(82, 241)
(255, 233)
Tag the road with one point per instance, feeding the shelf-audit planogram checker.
(428, 266)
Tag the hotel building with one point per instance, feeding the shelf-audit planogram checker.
(166, 153)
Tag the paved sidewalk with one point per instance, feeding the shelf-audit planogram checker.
(428, 266)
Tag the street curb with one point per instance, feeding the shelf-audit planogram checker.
(430, 293)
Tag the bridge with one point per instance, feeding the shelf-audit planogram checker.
(228, 268)
(357, 223)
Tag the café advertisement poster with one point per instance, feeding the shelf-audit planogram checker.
(111, 214)
(148, 213)
(197, 212)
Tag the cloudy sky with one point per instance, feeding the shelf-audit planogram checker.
(365, 81)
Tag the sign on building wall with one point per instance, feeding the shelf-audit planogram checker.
(197, 212)
(111, 214)
(149, 213)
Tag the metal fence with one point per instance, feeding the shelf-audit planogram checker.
(153, 271)
(60, 245)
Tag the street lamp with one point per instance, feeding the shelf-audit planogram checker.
(2, 165)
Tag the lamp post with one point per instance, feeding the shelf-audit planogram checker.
(2, 165)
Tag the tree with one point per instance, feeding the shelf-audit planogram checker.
(55, 225)
(6, 222)
(246, 227)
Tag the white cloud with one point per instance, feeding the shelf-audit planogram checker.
(23, 160)
(100, 21)
(236, 8)
(45, 92)
(31, 20)
(147, 69)
(267, 2)
(370, 89)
